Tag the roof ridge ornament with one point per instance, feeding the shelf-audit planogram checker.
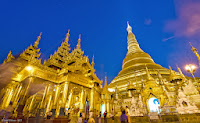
(149, 77)
(93, 61)
(78, 46)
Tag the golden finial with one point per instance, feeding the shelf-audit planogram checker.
(196, 53)
(105, 85)
(193, 49)
(129, 28)
(37, 41)
(78, 46)
(190, 44)
(67, 36)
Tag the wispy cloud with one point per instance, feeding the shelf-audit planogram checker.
(147, 21)
(187, 23)
(166, 39)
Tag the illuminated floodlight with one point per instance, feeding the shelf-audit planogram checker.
(111, 90)
(29, 68)
(190, 67)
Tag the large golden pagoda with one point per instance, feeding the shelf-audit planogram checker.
(144, 84)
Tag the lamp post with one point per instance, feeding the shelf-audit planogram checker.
(191, 68)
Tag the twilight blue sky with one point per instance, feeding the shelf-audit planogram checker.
(163, 29)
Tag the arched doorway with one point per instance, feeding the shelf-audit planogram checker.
(87, 108)
(153, 104)
(102, 109)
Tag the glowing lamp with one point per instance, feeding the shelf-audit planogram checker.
(191, 68)
(29, 68)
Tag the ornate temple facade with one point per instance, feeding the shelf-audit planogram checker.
(65, 80)
(68, 80)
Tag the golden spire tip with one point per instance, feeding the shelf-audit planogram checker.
(79, 36)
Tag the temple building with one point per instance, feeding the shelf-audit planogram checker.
(67, 81)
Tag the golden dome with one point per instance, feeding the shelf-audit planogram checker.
(136, 60)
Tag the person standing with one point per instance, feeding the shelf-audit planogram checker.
(68, 112)
(9, 111)
(127, 114)
(112, 116)
(80, 120)
(96, 116)
(99, 117)
(123, 117)
(105, 117)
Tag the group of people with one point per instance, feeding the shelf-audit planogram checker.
(5, 114)
(96, 118)
(93, 118)
(125, 116)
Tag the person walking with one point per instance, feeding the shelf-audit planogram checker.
(85, 120)
(105, 117)
(123, 117)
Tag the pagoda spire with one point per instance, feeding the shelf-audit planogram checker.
(31, 54)
(105, 85)
(133, 45)
(37, 41)
(105, 88)
(60, 57)
(149, 77)
(93, 61)
(67, 36)
(196, 53)
(9, 58)
(78, 46)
